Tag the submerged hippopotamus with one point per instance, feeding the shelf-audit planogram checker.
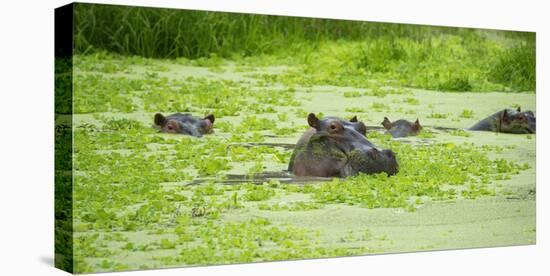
(508, 121)
(184, 124)
(334, 147)
(401, 128)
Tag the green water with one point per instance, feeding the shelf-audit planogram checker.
(505, 218)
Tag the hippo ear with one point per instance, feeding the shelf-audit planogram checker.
(386, 123)
(354, 119)
(160, 120)
(210, 117)
(312, 120)
(519, 109)
(504, 116)
(417, 124)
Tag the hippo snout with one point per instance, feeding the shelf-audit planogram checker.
(373, 161)
(391, 166)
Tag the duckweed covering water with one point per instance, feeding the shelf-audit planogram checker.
(141, 197)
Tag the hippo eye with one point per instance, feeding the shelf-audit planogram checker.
(332, 126)
(522, 118)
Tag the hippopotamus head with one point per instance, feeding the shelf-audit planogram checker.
(336, 148)
(185, 124)
(516, 121)
(401, 128)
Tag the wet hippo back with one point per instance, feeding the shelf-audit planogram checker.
(333, 148)
(508, 121)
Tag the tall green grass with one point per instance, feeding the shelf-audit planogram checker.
(165, 33)
(516, 67)
(443, 58)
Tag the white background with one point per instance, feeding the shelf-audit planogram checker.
(26, 136)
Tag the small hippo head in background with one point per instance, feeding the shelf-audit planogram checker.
(179, 123)
(401, 128)
(515, 121)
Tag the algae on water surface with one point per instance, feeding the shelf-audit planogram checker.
(145, 199)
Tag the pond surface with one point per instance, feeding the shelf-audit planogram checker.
(228, 198)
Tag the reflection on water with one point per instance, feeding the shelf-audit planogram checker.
(259, 178)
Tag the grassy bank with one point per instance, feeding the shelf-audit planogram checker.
(346, 52)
